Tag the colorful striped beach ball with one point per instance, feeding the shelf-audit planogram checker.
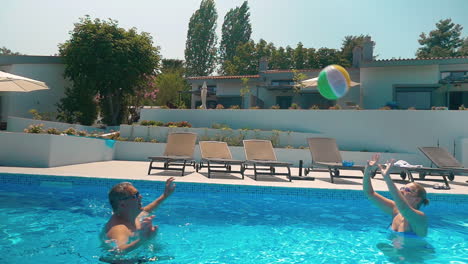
(333, 82)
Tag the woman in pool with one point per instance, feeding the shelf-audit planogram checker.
(407, 218)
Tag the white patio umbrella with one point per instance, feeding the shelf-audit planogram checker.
(313, 83)
(204, 92)
(14, 83)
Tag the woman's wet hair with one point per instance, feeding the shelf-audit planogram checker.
(118, 191)
(421, 192)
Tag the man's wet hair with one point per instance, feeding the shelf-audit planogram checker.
(117, 193)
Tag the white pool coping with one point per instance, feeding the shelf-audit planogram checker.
(137, 170)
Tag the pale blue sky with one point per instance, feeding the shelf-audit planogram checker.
(36, 27)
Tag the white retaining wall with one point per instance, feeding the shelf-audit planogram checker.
(43, 150)
(392, 131)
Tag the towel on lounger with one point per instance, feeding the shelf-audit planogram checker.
(405, 164)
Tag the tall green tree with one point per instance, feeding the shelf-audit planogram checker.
(236, 30)
(464, 48)
(109, 63)
(444, 41)
(200, 47)
(349, 42)
(299, 56)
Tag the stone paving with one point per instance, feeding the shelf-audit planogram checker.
(130, 170)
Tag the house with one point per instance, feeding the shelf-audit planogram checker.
(406, 83)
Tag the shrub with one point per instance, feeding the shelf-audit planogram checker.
(121, 139)
(146, 123)
(82, 133)
(219, 106)
(335, 107)
(219, 126)
(53, 131)
(314, 107)
(294, 106)
(153, 141)
(139, 139)
(234, 107)
(170, 124)
(164, 107)
(46, 116)
(183, 124)
(412, 108)
(439, 108)
(70, 131)
(114, 136)
(34, 129)
(462, 107)
(255, 107)
(275, 107)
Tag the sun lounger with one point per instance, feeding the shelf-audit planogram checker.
(178, 152)
(325, 154)
(447, 165)
(216, 154)
(261, 155)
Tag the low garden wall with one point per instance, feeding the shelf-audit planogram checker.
(18, 124)
(233, 137)
(43, 150)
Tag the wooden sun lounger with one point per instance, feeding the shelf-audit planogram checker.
(325, 154)
(177, 154)
(216, 154)
(262, 157)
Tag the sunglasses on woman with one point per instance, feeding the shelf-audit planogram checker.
(406, 189)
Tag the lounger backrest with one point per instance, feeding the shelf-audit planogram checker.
(214, 150)
(259, 150)
(441, 157)
(180, 144)
(324, 150)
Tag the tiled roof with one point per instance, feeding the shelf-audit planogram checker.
(222, 77)
(303, 70)
(431, 58)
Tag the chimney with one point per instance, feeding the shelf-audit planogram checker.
(263, 65)
(368, 49)
(357, 57)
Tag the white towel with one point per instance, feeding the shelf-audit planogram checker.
(405, 164)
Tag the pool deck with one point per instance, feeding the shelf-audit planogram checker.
(137, 170)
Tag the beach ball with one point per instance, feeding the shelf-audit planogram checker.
(333, 82)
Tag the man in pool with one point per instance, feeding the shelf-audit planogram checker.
(130, 225)
(404, 208)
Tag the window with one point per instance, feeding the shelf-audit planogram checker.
(419, 98)
(281, 82)
(457, 99)
(210, 88)
(454, 76)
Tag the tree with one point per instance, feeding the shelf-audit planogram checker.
(200, 47)
(326, 56)
(464, 48)
(236, 30)
(171, 65)
(169, 86)
(299, 57)
(5, 51)
(441, 42)
(109, 63)
(245, 61)
(349, 42)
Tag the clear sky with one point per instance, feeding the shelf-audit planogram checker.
(36, 27)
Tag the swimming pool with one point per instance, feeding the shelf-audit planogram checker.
(51, 220)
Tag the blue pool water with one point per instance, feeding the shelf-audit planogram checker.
(40, 224)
